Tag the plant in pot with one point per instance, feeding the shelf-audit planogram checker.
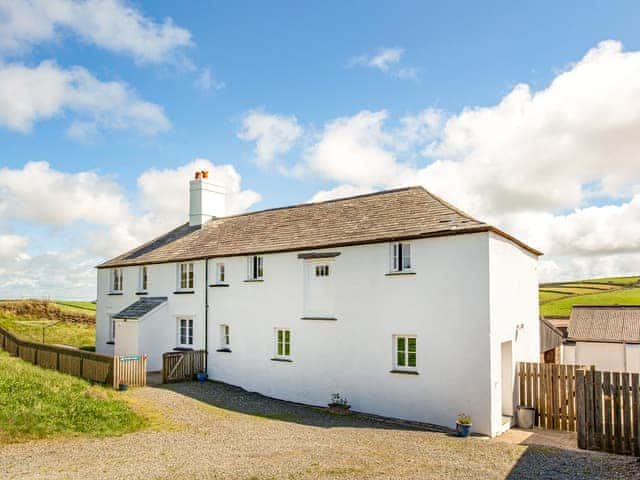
(463, 425)
(339, 404)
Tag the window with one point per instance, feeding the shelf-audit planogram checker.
(220, 273)
(322, 270)
(400, 257)
(254, 267)
(283, 343)
(185, 332)
(405, 352)
(112, 329)
(185, 276)
(116, 280)
(225, 339)
(143, 279)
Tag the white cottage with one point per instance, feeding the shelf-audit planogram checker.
(397, 300)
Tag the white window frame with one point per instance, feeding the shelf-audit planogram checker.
(225, 336)
(282, 353)
(221, 273)
(400, 257)
(190, 270)
(112, 329)
(190, 325)
(406, 353)
(143, 278)
(117, 280)
(255, 267)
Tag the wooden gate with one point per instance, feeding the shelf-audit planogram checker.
(179, 366)
(608, 411)
(130, 369)
(551, 390)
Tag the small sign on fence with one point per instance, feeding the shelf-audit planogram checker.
(129, 358)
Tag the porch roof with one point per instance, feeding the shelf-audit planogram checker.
(140, 308)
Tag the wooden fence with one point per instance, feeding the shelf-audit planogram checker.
(178, 366)
(551, 390)
(608, 411)
(79, 363)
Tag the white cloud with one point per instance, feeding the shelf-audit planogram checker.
(532, 164)
(94, 219)
(274, 134)
(340, 191)
(383, 59)
(386, 60)
(12, 247)
(110, 24)
(39, 194)
(207, 82)
(28, 95)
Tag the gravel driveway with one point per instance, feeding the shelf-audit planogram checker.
(217, 431)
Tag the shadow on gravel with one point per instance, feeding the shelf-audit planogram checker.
(236, 399)
(540, 462)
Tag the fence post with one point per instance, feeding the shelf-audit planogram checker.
(580, 409)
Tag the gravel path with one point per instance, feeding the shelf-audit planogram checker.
(216, 431)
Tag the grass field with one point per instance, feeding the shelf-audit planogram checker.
(556, 299)
(31, 327)
(70, 306)
(38, 403)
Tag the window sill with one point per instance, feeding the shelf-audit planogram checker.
(183, 349)
(219, 285)
(184, 292)
(397, 274)
(331, 319)
(115, 293)
(405, 372)
(111, 343)
(224, 350)
(276, 359)
(142, 293)
(254, 280)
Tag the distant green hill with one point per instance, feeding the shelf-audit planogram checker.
(556, 299)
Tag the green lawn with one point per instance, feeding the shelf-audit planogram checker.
(549, 296)
(66, 333)
(38, 403)
(562, 306)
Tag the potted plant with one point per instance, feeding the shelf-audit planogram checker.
(463, 425)
(339, 404)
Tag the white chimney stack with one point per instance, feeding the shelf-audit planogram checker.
(206, 199)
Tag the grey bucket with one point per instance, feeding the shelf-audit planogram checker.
(526, 416)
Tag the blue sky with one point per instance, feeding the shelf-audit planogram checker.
(314, 70)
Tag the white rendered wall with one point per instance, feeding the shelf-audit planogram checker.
(126, 338)
(605, 356)
(445, 304)
(159, 332)
(514, 303)
(568, 354)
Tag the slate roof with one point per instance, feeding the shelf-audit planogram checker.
(140, 308)
(605, 323)
(404, 213)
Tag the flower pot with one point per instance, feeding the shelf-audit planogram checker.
(201, 377)
(339, 408)
(123, 387)
(526, 416)
(463, 430)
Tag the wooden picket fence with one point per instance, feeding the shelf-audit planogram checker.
(609, 411)
(551, 390)
(182, 365)
(79, 363)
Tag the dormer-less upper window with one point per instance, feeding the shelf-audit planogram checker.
(185, 276)
(400, 257)
(254, 267)
(116, 280)
(143, 279)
